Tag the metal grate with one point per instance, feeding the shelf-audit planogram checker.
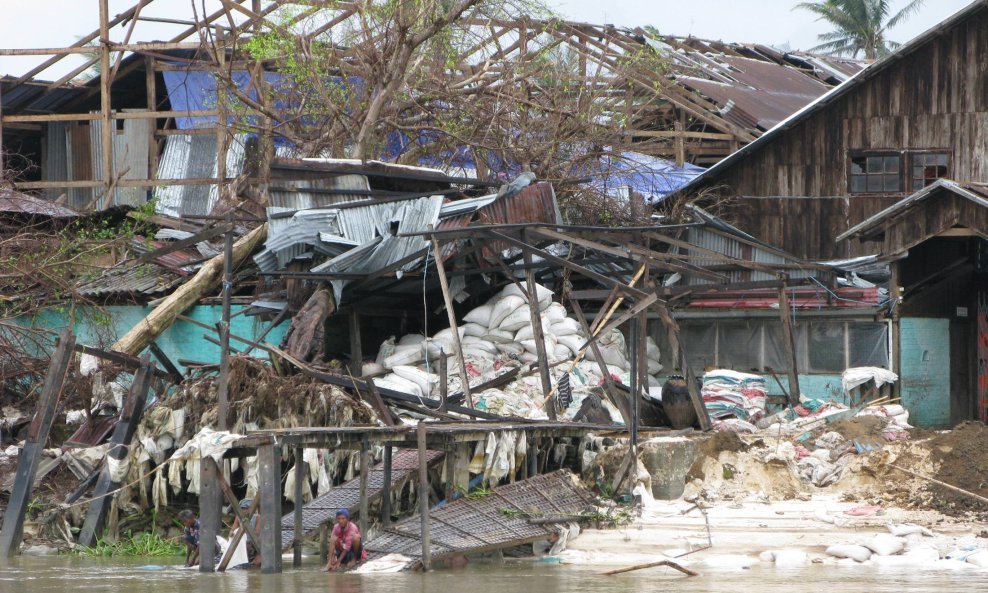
(319, 510)
(466, 526)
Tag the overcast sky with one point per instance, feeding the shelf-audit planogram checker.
(57, 23)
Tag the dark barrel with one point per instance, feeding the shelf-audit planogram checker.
(676, 403)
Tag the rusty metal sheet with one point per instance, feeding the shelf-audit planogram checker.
(14, 202)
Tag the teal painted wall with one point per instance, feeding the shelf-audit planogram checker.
(182, 340)
(925, 377)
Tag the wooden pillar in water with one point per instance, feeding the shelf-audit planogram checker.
(210, 505)
(301, 474)
(269, 460)
(365, 469)
(123, 434)
(424, 496)
(450, 471)
(386, 488)
(30, 454)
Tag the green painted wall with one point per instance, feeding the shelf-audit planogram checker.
(925, 377)
(183, 340)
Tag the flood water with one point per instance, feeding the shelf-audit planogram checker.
(74, 574)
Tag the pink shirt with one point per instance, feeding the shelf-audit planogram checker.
(345, 537)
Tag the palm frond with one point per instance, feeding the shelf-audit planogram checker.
(907, 11)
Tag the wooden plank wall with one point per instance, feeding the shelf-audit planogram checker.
(793, 191)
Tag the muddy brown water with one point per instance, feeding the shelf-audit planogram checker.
(72, 574)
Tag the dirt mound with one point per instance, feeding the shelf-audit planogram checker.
(962, 456)
(711, 448)
(859, 428)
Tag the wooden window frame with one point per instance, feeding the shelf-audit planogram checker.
(905, 168)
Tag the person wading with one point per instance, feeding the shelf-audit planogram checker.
(345, 546)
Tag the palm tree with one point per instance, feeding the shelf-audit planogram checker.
(859, 25)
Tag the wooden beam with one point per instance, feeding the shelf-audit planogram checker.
(112, 476)
(789, 338)
(210, 507)
(538, 335)
(30, 454)
(424, 495)
(386, 487)
(114, 115)
(451, 315)
(301, 474)
(365, 469)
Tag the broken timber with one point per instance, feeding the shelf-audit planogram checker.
(498, 521)
(115, 471)
(30, 455)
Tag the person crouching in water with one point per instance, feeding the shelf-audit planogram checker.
(345, 546)
(190, 536)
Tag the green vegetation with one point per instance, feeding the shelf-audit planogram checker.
(860, 26)
(144, 544)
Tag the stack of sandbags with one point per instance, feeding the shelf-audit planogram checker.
(496, 335)
(728, 393)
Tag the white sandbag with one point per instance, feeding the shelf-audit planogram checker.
(561, 352)
(652, 349)
(905, 529)
(474, 329)
(530, 346)
(572, 341)
(611, 356)
(387, 349)
(446, 335)
(371, 368)
(541, 292)
(426, 381)
(893, 410)
(517, 320)
(481, 315)
(510, 348)
(566, 327)
(504, 306)
(614, 338)
(411, 340)
(785, 558)
(884, 544)
(498, 336)
(654, 367)
(528, 357)
(527, 332)
(852, 551)
(396, 383)
(404, 355)
(555, 312)
(979, 559)
(479, 343)
(470, 351)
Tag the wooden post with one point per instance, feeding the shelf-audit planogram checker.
(300, 475)
(150, 84)
(210, 507)
(790, 341)
(443, 381)
(323, 543)
(451, 471)
(365, 469)
(533, 458)
(451, 314)
(616, 397)
(222, 119)
(538, 334)
(269, 459)
(108, 125)
(130, 419)
(30, 454)
(895, 365)
(386, 488)
(424, 495)
(356, 349)
(672, 331)
(635, 378)
(223, 386)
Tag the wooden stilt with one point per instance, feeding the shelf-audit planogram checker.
(443, 381)
(424, 496)
(301, 473)
(30, 454)
(324, 543)
(386, 488)
(210, 504)
(269, 459)
(365, 469)
(130, 419)
(356, 349)
(223, 384)
(450, 471)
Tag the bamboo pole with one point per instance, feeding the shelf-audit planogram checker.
(967, 493)
(668, 563)
(107, 128)
(451, 314)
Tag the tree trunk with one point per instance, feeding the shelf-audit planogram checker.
(206, 280)
(307, 333)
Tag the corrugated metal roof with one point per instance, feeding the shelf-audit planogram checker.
(14, 202)
(193, 156)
